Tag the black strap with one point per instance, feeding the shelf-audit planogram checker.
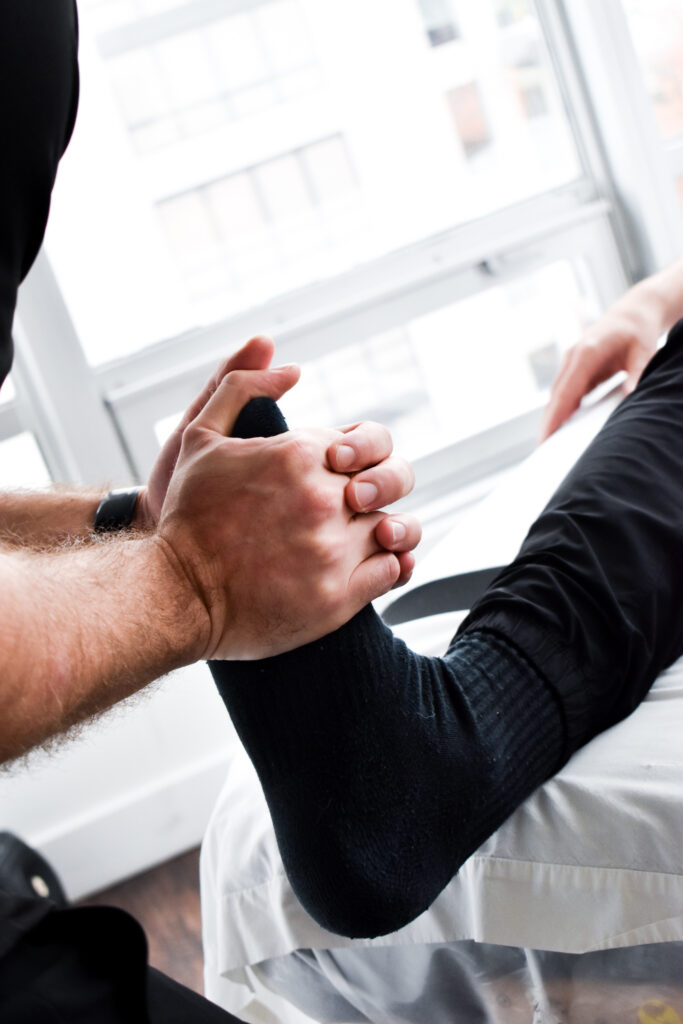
(116, 511)
(450, 594)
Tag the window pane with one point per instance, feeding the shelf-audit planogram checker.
(454, 372)
(165, 427)
(439, 21)
(657, 30)
(285, 35)
(469, 115)
(21, 464)
(185, 106)
(7, 392)
(457, 371)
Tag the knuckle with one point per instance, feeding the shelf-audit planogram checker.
(323, 504)
(299, 454)
(325, 554)
(374, 436)
(407, 472)
(191, 436)
(589, 348)
(238, 379)
(223, 369)
(413, 529)
(327, 591)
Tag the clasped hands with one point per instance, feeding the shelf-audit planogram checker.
(275, 541)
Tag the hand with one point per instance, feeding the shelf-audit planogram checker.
(367, 446)
(616, 342)
(257, 354)
(378, 479)
(261, 533)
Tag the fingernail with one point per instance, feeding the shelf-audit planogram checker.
(345, 456)
(398, 532)
(365, 494)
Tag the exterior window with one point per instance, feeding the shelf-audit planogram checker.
(679, 190)
(21, 463)
(461, 369)
(510, 11)
(193, 82)
(657, 31)
(230, 159)
(469, 115)
(7, 392)
(439, 21)
(266, 224)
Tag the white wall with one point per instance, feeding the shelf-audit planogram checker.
(133, 789)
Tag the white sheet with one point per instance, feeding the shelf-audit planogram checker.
(594, 859)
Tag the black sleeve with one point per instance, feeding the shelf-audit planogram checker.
(38, 100)
(384, 770)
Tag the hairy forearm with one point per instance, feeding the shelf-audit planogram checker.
(83, 628)
(44, 519)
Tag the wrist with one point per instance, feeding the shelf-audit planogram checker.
(117, 510)
(189, 618)
(143, 519)
(646, 309)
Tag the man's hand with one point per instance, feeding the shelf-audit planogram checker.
(388, 479)
(261, 532)
(257, 354)
(364, 451)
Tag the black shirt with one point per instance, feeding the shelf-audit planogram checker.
(38, 101)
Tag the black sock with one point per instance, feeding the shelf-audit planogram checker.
(384, 770)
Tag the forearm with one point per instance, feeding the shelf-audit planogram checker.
(83, 628)
(44, 519)
(655, 304)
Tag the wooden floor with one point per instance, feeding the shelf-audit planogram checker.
(165, 901)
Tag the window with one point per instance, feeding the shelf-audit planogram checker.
(510, 11)
(657, 30)
(471, 123)
(264, 227)
(190, 112)
(7, 392)
(439, 21)
(425, 380)
(21, 463)
(657, 34)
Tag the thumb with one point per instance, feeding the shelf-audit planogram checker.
(236, 389)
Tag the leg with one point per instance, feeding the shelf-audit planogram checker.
(385, 770)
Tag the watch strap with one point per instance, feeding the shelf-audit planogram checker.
(116, 511)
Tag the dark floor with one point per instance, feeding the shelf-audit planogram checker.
(165, 900)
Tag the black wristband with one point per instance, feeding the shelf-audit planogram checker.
(116, 511)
